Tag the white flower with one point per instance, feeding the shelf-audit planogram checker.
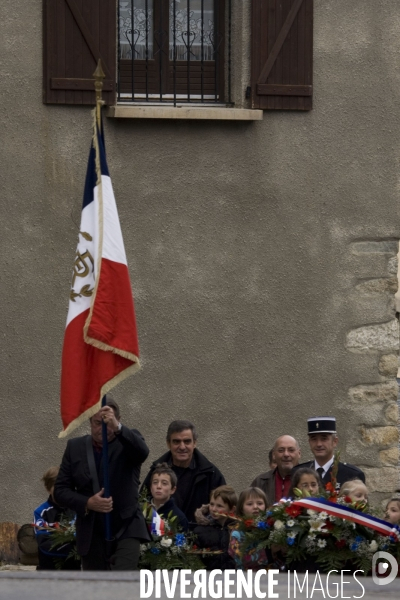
(321, 543)
(312, 513)
(323, 515)
(316, 525)
(373, 546)
(290, 522)
(166, 542)
(291, 534)
(279, 524)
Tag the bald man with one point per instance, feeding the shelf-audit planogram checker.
(276, 482)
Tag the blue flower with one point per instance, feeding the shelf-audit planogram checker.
(180, 539)
(354, 546)
(359, 538)
(269, 513)
(384, 547)
(290, 541)
(262, 525)
(155, 550)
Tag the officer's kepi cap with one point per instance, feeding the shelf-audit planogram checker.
(321, 425)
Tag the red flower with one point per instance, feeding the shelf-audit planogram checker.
(329, 525)
(194, 547)
(293, 511)
(340, 543)
(56, 525)
(270, 521)
(249, 523)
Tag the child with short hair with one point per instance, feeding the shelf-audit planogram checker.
(392, 512)
(252, 501)
(163, 484)
(49, 514)
(354, 489)
(306, 481)
(213, 531)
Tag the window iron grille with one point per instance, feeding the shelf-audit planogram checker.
(174, 51)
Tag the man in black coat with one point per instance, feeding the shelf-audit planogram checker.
(323, 440)
(80, 486)
(197, 476)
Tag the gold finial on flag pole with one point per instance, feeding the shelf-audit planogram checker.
(98, 86)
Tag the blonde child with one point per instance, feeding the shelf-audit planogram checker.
(356, 490)
(392, 513)
(307, 481)
(252, 502)
(49, 514)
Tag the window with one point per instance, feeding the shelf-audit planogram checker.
(178, 52)
(172, 51)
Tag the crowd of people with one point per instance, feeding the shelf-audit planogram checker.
(181, 482)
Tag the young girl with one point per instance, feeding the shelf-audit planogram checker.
(213, 529)
(252, 501)
(355, 489)
(306, 480)
(392, 513)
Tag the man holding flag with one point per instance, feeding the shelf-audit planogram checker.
(99, 474)
(80, 486)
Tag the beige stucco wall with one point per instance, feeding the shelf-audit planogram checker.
(243, 246)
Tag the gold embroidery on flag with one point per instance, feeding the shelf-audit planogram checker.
(83, 265)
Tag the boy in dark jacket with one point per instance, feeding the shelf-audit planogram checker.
(162, 486)
(213, 531)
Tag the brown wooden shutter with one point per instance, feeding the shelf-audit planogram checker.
(282, 54)
(76, 34)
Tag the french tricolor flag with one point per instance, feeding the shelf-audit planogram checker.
(100, 344)
(157, 526)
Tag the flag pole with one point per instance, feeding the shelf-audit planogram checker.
(98, 86)
(106, 477)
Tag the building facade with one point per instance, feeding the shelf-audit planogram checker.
(261, 246)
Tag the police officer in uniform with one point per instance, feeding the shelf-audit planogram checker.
(323, 440)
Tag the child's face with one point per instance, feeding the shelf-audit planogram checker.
(393, 513)
(359, 494)
(308, 483)
(161, 488)
(218, 506)
(253, 506)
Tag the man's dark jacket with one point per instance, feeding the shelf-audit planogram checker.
(345, 472)
(207, 477)
(266, 483)
(75, 485)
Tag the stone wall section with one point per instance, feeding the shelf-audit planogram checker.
(375, 446)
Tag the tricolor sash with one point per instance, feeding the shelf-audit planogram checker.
(350, 514)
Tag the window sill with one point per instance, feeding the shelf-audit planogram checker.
(184, 112)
